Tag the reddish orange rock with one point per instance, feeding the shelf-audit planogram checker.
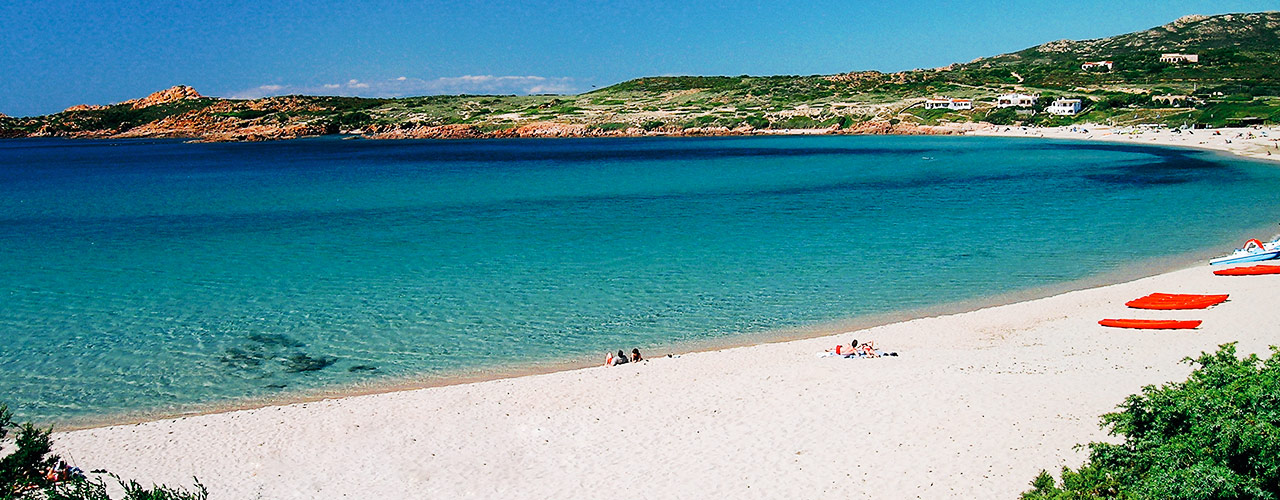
(171, 94)
(83, 107)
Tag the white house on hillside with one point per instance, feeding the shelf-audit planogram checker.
(1097, 65)
(948, 103)
(1065, 107)
(1016, 101)
(1179, 58)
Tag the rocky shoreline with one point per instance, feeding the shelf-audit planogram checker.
(181, 112)
(185, 127)
(575, 130)
(216, 132)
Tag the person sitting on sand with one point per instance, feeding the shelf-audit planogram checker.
(608, 359)
(61, 472)
(635, 354)
(621, 359)
(865, 350)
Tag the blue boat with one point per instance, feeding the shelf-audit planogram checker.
(1252, 251)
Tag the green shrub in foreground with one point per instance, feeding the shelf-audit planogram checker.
(22, 472)
(1215, 436)
(23, 468)
(96, 489)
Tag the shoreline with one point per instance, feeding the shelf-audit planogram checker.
(976, 404)
(1145, 269)
(1248, 142)
(1260, 143)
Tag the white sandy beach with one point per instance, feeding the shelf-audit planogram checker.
(974, 407)
(976, 404)
(1252, 142)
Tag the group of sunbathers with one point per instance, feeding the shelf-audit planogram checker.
(856, 350)
(621, 358)
(62, 472)
(53, 475)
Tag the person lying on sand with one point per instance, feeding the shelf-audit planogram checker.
(621, 358)
(63, 472)
(841, 350)
(856, 350)
(868, 350)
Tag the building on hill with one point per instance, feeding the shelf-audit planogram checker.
(1065, 107)
(948, 103)
(1174, 100)
(1016, 101)
(1097, 65)
(1179, 58)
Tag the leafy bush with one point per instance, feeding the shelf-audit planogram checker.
(84, 489)
(757, 121)
(840, 121)
(1120, 100)
(24, 467)
(611, 125)
(1002, 116)
(700, 121)
(1215, 436)
(354, 119)
(795, 122)
(23, 473)
(247, 114)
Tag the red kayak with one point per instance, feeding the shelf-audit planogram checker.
(1248, 270)
(1151, 324)
(1172, 301)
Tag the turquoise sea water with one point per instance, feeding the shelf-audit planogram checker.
(154, 277)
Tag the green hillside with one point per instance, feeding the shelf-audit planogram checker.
(1234, 81)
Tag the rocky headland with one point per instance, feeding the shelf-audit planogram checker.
(182, 112)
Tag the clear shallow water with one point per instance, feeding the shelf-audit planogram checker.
(144, 276)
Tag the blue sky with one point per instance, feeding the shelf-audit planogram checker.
(55, 53)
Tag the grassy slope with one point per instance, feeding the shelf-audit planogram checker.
(1235, 78)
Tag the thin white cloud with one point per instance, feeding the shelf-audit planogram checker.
(405, 86)
(261, 90)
